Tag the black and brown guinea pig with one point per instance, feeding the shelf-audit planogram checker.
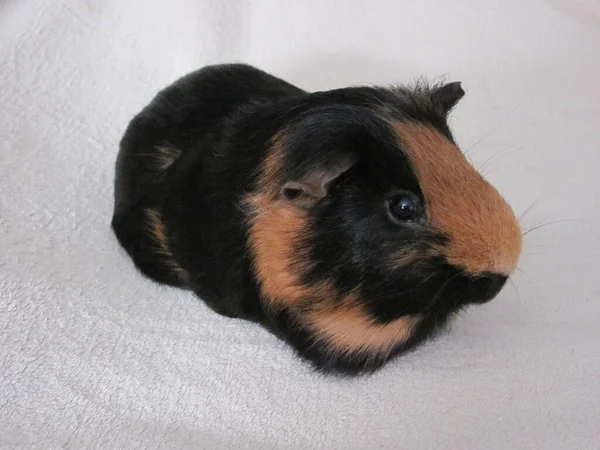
(347, 222)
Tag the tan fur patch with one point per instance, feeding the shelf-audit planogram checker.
(349, 329)
(412, 257)
(270, 174)
(275, 227)
(484, 234)
(404, 258)
(159, 235)
(166, 156)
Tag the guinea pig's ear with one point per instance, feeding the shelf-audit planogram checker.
(448, 95)
(316, 184)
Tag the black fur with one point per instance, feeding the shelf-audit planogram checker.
(221, 120)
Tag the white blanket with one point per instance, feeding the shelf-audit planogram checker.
(93, 355)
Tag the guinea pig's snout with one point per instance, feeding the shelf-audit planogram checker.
(487, 287)
(464, 288)
(484, 235)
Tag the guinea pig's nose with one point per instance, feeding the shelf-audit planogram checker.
(464, 288)
(488, 286)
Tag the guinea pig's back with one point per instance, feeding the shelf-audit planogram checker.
(180, 116)
(173, 124)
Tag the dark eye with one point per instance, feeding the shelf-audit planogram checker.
(402, 207)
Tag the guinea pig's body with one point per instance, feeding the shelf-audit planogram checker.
(347, 222)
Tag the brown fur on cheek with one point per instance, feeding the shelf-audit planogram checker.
(275, 228)
(348, 329)
(484, 234)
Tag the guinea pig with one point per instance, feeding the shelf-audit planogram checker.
(347, 222)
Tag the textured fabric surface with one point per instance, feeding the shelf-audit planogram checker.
(92, 355)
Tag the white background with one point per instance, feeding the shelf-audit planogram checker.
(92, 355)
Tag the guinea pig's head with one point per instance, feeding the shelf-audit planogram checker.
(369, 228)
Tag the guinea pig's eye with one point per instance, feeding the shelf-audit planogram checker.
(402, 207)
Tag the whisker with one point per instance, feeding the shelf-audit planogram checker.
(482, 165)
(470, 159)
(523, 272)
(533, 204)
(439, 292)
(537, 227)
(506, 117)
(515, 287)
(500, 158)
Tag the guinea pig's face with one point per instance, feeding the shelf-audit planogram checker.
(370, 229)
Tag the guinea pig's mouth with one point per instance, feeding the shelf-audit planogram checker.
(461, 288)
(489, 286)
